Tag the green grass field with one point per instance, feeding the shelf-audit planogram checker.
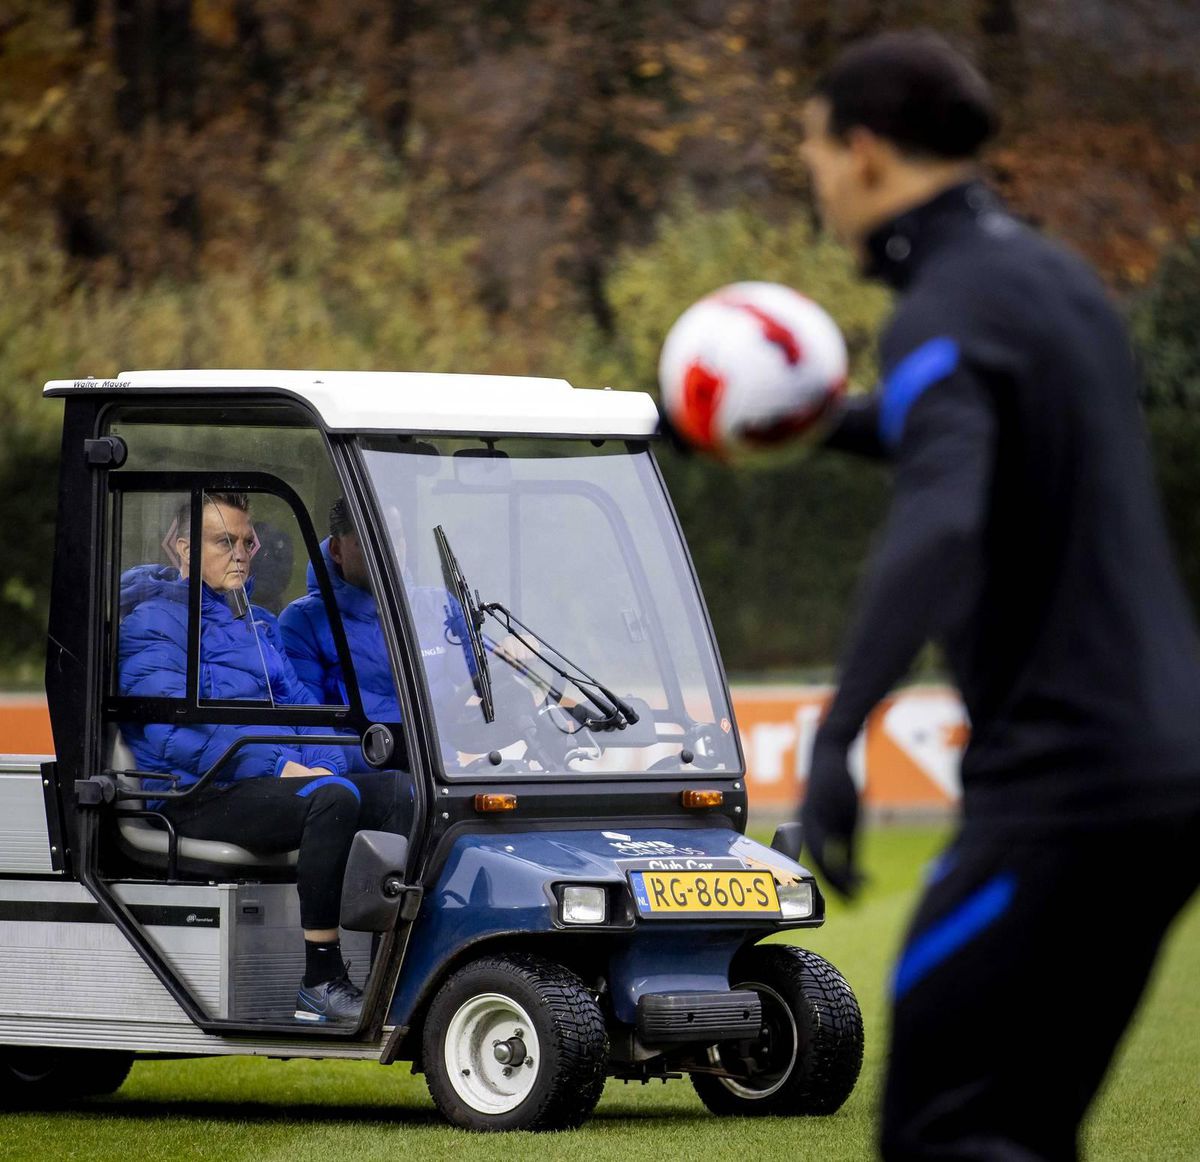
(248, 1109)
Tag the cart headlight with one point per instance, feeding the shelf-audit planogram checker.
(584, 904)
(796, 901)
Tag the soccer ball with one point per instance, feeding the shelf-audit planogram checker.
(751, 365)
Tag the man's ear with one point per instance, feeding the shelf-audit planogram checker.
(183, 550)
(335, 550)
(873, 156)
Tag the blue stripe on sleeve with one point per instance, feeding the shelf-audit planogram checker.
(920, 369)
(326, 781)
(940, 867)
(953, 932)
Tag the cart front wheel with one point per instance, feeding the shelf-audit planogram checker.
(809, 1051)
(515, 1043)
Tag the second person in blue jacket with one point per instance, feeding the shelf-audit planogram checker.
(308, 638)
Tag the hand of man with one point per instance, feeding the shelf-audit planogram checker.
(830, 815)
(292, 770)
(511, 646)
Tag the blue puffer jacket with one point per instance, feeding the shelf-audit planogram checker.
(152, 661)
(308, 640)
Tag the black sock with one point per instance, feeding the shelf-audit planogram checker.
(322, 962)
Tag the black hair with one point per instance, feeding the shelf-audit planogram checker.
(340, 523)
(914, 90)
(183, 515)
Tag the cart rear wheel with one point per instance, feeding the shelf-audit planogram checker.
(35, 1076)
(515, 1043)
(809, 1052)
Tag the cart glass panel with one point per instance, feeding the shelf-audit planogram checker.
(554, 606)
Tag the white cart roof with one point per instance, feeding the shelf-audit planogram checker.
(408, 401)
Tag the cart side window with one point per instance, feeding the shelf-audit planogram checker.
(225, 606)
(264, 628)
(254, 551)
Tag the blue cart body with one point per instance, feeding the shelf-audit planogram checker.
(501, 887)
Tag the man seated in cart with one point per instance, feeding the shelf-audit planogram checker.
(439, 621)
(270, 797)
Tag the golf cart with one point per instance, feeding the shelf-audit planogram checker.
(571, 896)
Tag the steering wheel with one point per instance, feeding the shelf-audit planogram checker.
(553, 736)
(554, 722)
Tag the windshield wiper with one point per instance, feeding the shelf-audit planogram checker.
(616, 712)
(456, 583)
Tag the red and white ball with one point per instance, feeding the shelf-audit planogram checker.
(751, 365)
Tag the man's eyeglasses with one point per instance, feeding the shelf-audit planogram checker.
(228, 544)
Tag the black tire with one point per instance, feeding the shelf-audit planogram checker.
(811, 1052)
(33, 1076)
(482, 1012)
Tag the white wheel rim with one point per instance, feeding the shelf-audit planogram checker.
(757, 1093)
(485, 1023)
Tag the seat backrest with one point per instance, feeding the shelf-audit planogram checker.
(141, 837)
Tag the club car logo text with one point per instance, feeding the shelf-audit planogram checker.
(687, 864)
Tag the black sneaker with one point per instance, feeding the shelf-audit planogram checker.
(337, 1000)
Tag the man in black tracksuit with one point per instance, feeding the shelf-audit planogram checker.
(1025, 537)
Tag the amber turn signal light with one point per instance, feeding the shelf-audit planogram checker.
(703, 798)
(495, 802)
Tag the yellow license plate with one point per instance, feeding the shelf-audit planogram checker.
(704, 893)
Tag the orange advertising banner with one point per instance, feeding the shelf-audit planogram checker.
(24, 725)
(907, 757)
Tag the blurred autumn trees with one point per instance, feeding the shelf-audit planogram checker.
(531, 186)
(551, 132)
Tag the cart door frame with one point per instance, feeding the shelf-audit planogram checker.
(82, 640)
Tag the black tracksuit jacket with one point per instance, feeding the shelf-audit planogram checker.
(1025, 534)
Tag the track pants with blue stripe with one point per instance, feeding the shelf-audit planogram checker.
(1023, 965)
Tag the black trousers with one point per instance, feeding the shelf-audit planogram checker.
(1024, 963)
(319, 816)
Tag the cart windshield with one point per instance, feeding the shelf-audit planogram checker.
(554, 606)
